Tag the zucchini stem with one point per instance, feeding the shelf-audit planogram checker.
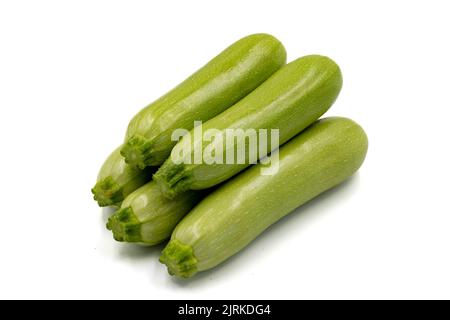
(107, 192)
(179, 259)
(124, 225)
(173, 179)
(137, 151)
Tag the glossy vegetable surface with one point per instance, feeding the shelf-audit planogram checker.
(227, 220)
(219, 84)
(290, 100)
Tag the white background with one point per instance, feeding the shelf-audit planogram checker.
(72, 73)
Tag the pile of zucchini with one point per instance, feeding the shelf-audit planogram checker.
(212, 211)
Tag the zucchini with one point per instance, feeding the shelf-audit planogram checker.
(216, 86)
(229, 218)
(290, 100)
(147, 217)
(116, 180)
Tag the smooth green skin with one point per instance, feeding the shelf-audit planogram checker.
(116, 180)
(290, 100)
(219, 84)
(147, 217)
(228, 219)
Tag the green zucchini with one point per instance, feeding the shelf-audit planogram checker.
(147, 217)
(229, 218)
(290, 100)
(116, 180)
(219, 84)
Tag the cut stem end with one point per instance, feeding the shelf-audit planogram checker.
(137, 152)
(179, 259)
(125, 226)
(172, 179)
(107, 192)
